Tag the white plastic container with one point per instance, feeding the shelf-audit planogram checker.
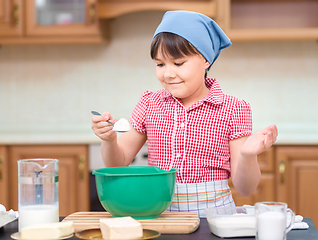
(231, 221)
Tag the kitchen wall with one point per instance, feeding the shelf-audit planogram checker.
(47, 92)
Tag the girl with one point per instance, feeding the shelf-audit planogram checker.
(190, 124)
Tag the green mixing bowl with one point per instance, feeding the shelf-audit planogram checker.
(140, 192)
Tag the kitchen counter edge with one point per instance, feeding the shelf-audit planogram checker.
(79, 138)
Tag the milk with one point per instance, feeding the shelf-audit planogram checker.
(271, 226)
(35, 214)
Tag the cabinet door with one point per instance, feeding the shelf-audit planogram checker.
(61, 18)
(73, 174)
(4, 177)
(265, 190)
(297, 178)
(11, 15)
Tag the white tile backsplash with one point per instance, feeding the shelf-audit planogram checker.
(49, 90)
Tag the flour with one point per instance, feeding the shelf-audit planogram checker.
(237, 225)
(122, 125)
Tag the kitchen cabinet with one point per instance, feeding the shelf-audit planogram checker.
(49, 21)
(115, 8)
(73, 174)
(85, 21)
(242, 20)
(290, 175)
(297, 178)
(269, 19)
(265, 190)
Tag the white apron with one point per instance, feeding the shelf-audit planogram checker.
(195, 197)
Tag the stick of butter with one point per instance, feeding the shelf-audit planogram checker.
(48, 230)
(120, 228)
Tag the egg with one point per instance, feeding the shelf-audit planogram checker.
(2, 208)
(12, 213)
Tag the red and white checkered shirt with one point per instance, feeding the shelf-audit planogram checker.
(194, 140)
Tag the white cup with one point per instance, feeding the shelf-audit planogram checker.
(271, 220)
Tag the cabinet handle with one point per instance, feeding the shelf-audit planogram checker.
(1, 161)
(282, 171)
(92, 13)
(81, 167)
(16, 15)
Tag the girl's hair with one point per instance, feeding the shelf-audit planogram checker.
(171, 45)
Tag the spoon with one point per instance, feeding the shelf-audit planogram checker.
(97, 113)
(116, 129)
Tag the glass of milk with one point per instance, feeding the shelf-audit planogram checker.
(271, 220)
(38, 191)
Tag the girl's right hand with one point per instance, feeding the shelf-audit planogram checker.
(102, 128)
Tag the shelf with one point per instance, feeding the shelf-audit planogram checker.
(272, 19)
(273, 34)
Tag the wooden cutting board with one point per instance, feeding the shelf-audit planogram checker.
(168, 223)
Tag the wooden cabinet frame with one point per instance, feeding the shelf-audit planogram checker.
(18, 25)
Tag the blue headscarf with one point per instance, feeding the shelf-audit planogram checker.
(201, 31)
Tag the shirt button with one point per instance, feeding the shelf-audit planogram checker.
(178, 155)
(182, 125)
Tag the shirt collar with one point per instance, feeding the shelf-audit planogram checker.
(215, 95)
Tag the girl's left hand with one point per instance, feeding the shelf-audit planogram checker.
(259, 141)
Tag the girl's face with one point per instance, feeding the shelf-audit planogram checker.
(183, 77)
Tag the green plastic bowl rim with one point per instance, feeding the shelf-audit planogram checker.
(96, 172)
